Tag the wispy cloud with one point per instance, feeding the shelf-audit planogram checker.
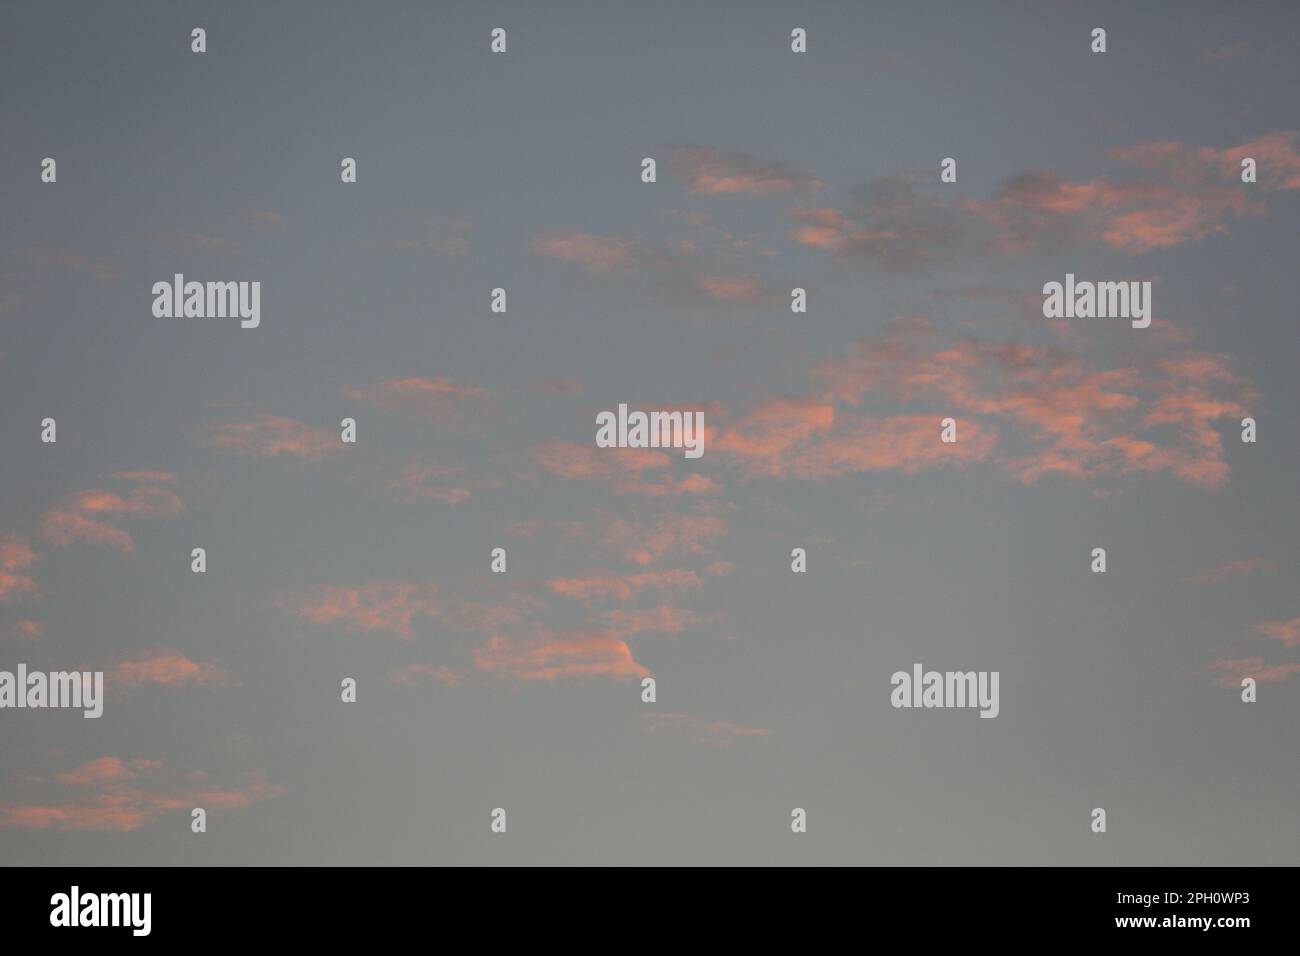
(1232, 569)
(710, 172)
(1288, 632)
(710, 733)
(437, 399)
(86, 515)
(269, 436)
(559, 654)
(168, 668)
(72, 261)
(412, 675)
(123, 794)
(16, 556)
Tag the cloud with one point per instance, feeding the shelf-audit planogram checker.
(386, 607)
(682, 270)
(107, 770)
(741, 290)
(425, 480)
(72, 261)
(1072, 417)
(1288, 632)
(662, 619)
(621, 468)
(1276, 154)
(438, 399)
(267, 219)
(710, 733)
(1228, 52)
(623, 587)
(117, 794)
(269, 436)
(1232, 569)
(644, 544)
(1237, 668)
(83, 516)
(556, 655)
(168, 668)
(24, 630)
(393, 607)
(596, 254)
(413, 675)
(15, 557)
(1197, 194)
(709, 172)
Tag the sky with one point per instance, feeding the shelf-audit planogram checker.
(476, 430)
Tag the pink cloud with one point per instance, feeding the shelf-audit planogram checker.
(25, 630)
(1238, 668)
(710, 733)
(269, 436)
(662, 619)
(1288, 632)
(83, 516)
(622, 468)
(1232, 569)
(709, 172)
(412, 675)
(108, 770)
(378, 607)
(438, 399)
(122, 795)
(623, 587)
(427, 481)
(1073, 418)
(596, 254)
(644, 544)
(557, 655)
(168, 668)
(15, 557)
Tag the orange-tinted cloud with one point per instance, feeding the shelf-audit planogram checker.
(117, 794)
(377, 607)
(1197, 194)
(168, 668)
(554, 655)
(644, 544)
(740, 290)
(83, 516)
(1073, 417)
(108, 770)
(662, 619)
(1232, 569)
(415, 674)
(710, 733)
(1288, 632)
(438, 399)
(269, 436)
(15, 557)
(24, 630)
(1237, 668)
(623, 587)
(709, 172)
(425, 480)
(622, 468)
(596, 254)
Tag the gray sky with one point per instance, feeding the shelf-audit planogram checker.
(476, 431)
